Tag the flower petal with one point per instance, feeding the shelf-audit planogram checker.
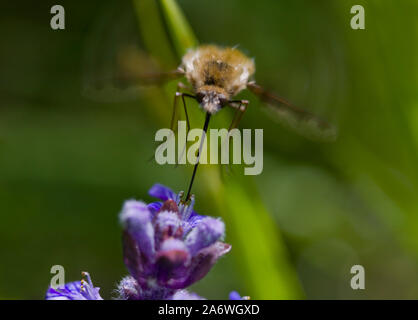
(136, 220)
(161, 192)
(77, 290)
(206, 232)
(192, 222)
(200, 265)
(71, 291)
(134, 260)
(233, 295)
(172, 259)
(154, 207)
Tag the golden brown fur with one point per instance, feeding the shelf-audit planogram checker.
(225, 70)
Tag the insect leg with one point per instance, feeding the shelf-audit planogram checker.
(178, 93)
(183, 96)
(174, 112)
(241, 107)
(240, 110)
(174, 115)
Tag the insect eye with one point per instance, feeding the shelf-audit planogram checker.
(199, 96)
(222, 100)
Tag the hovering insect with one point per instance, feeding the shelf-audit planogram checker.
(216, 75)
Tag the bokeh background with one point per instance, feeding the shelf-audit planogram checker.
(69, 160)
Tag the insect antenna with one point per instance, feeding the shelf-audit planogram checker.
(205, 129)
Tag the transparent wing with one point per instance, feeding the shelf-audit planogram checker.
(298, 120)
(136, 67)
(116, 67)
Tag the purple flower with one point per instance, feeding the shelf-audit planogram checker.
(167, 246)
(77, 290)
(233, 295)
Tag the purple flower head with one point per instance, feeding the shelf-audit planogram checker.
(77, 290)
(167, 246)
(233, 295)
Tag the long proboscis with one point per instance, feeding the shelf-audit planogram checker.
(205, 129)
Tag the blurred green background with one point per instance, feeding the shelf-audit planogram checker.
(67, 161)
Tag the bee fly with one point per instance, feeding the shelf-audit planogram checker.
(218, 74)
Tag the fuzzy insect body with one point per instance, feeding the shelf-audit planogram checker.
(216, 74)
